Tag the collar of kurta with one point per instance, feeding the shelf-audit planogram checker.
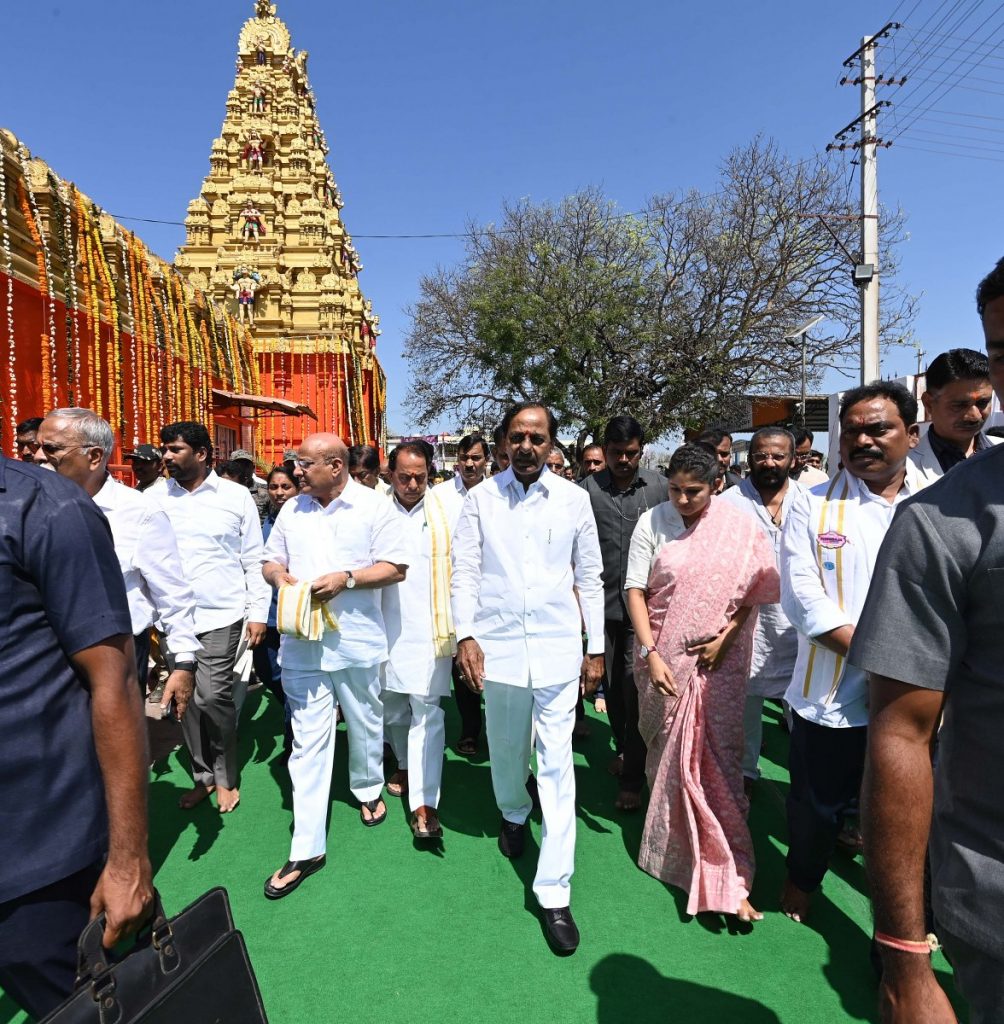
(105, 498)
(419, 506)
(509, 480)
(607, 482)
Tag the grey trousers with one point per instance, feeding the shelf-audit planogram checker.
(979, 977)
(210, 723)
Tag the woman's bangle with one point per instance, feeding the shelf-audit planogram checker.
(929, 945)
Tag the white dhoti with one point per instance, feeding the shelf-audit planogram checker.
(510, 712)
(313, 699)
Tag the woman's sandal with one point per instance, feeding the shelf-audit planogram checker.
(371, 806)
(305, 867)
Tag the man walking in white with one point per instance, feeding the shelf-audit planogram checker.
(831, 540)
(78, 443)
(218, 532)
(339, 543)
(525, 543)
(420, 639)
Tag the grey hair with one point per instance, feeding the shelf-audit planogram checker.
(91, 430)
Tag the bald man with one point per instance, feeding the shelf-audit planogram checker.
(344, 540)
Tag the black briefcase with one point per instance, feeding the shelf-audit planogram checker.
(194, 969)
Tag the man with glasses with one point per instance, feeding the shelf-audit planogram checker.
(26, 438)
(767, 495)
(620, 495)
(78, 443)
(345, 540)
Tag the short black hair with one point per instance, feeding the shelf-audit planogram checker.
(957, 364)
(803, 434)
(472, 440)
(713, 436)
(420, 448)
(592, 444)
(195, 435)
(895, 393)
(622, 429)
(990, 288)
(286, 469)
(514, 410)
(696, 460)
(29, 426)
(498, 435)
(774, 432)
(366, 456)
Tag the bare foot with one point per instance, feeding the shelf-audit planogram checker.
(795, 903)
(195, 796)
(398, 785)
(600, 706)
(425, 823)
(280, 881)
(227, 799)
(748, 913)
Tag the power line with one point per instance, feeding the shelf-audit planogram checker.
(945, 152)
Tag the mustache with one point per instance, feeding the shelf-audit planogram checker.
(868, 451)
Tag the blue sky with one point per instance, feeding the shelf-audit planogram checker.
(438, 111)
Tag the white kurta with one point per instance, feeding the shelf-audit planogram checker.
(775, 640)
(412, 666)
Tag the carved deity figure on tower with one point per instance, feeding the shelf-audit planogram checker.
(350, 258)
(259, 98)
(263, 9)
(254, 152)
(252, 227)
(245, 285)
(261, 55)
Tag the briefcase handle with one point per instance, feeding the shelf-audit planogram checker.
(94, 969)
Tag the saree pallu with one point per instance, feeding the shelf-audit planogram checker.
(696, 836)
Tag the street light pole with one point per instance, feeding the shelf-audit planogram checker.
(801, 334)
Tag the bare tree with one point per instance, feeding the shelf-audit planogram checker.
(668, 315)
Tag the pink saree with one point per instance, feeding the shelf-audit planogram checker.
(696, 836)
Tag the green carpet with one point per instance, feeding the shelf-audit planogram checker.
(390, 932)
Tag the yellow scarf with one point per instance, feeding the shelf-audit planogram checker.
(302, 615)
(444, 637)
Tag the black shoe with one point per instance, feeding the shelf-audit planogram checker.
(531, 788)
(562, 935)
(511, 839)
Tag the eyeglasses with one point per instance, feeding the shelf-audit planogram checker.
(27, 446)
(51, 449)
(307, 463)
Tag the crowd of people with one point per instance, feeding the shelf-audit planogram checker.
(866, 603)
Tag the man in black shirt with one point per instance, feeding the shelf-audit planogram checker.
(73, 764)
(619, 495)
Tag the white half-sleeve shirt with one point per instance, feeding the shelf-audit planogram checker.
(518, 557)
(354, 531)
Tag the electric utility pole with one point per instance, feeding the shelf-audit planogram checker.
(866, 269)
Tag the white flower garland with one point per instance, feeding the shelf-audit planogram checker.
(70, 289)
(132, 339)
(9, 271)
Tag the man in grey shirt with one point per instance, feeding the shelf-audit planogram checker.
(931, 637)
(619, 495)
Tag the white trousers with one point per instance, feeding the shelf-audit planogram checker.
(510, 712)
(416, 731)
(313, 699)
(753, 734)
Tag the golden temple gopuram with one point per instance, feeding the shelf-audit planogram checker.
(265, 237)
(259, 329)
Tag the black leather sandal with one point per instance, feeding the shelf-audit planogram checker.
(371, 806)
(305, 867)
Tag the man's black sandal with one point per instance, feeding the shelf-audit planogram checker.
(305, 867)
(371, 806)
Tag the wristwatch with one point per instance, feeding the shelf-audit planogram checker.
(184, 666)
(645, 651)
(351, 581)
